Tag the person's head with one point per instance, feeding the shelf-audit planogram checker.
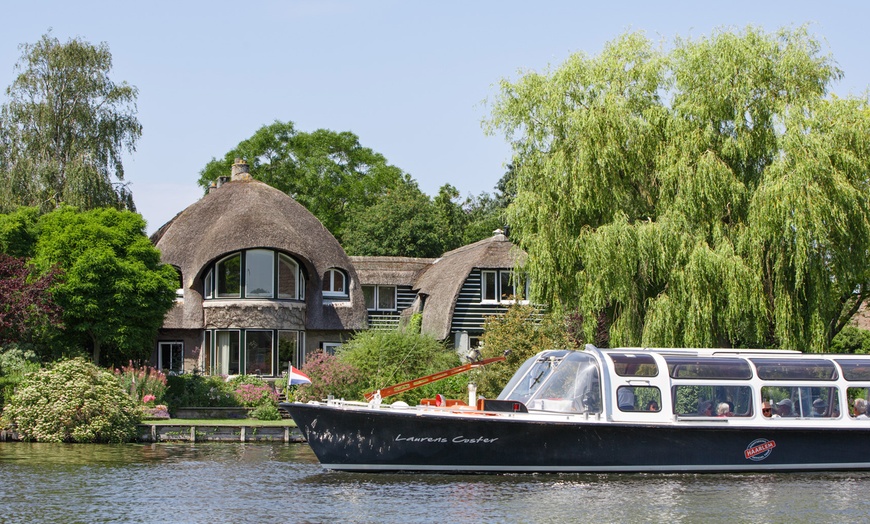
(784, 407)
(705, 408)
(722, 409)
(819, 406)
(652, 405)
(765, 409)
(860, 406)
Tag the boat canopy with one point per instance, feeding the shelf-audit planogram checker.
(557, 381)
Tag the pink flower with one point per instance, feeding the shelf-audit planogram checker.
(148, 398)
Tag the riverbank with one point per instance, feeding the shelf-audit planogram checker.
(206, 430)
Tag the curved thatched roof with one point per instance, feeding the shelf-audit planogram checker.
(245, 214)
(443, 280)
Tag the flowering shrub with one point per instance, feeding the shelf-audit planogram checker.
(251, 396)
(329, 376)
(142, 382)
(266, 412)
(149, 399)
(160, 411)
(73, 401)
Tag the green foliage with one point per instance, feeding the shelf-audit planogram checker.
(65, 128)
(201, 391)
(15, 364)
(711, 195)
(524, 331)
(266, 412)
(401, 222)
(18, 232)
(73, 401)
(141, 381)
(851, 340)
(329, 376)
(329, 173)
(115, 292)
(385, 358)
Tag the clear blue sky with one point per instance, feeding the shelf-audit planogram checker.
(409, 78)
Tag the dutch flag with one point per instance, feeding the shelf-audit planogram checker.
(296, 377)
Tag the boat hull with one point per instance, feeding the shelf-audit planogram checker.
(360, 439)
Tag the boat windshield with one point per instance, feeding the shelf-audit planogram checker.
(572, 387)
(531, 375)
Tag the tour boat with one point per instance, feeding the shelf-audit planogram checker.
(617, 410)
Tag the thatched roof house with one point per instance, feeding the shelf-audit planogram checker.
(263, 284)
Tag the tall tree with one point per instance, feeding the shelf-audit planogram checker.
(26, 304)
(710, 195)
(65, 127)
(402, 222)
(114, 291)
(329, 173)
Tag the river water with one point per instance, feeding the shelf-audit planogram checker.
(235, 482)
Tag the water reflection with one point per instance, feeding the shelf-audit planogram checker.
(224, 482)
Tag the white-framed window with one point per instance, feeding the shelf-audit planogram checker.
(380, 298)
(330, 347)
(259, 273)
(229, 276)
(501, 286)
(334, 284)
(258, 352)
(170, 357)
(255, 274)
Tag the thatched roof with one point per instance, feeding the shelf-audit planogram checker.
(245, 213)
(395, 271)
(443, 279)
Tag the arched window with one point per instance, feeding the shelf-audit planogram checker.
(334, 284)
(255, 273)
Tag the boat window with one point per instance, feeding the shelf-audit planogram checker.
(639, 398)
(573, 387)
(858, 402)
(801, 401)
(795, 369)
(713, 401)
(633, 365)
(708, 368)
(855, 369)
(529, 377)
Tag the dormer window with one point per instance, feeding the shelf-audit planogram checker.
(253, 274)
(334, 284)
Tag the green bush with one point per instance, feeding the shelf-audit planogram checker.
(201, 391)
(73, 401)
(266, 412)
(15, 364)
(252, 391)
(385, 358)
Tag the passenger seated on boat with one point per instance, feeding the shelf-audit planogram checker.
(819, 407)
(705, 408)
(724, 410)
(652, 405)
(784, 408)
(860, 408)
(765, 409)
(625, 398)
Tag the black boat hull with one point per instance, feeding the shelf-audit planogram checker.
(355, 439)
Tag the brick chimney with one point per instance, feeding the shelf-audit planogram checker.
(240, 170)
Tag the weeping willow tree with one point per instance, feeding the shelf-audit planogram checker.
(710, 194)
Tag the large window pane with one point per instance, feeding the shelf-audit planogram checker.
(386, 298)
(171, 357)
(287, 345)
(258, 353)
(229, 271)
(489, 285)
(507, 285)
(287, 277)
(707, 401)
(259, 276)
(227, 353)
(801, 401)
(369, 296)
